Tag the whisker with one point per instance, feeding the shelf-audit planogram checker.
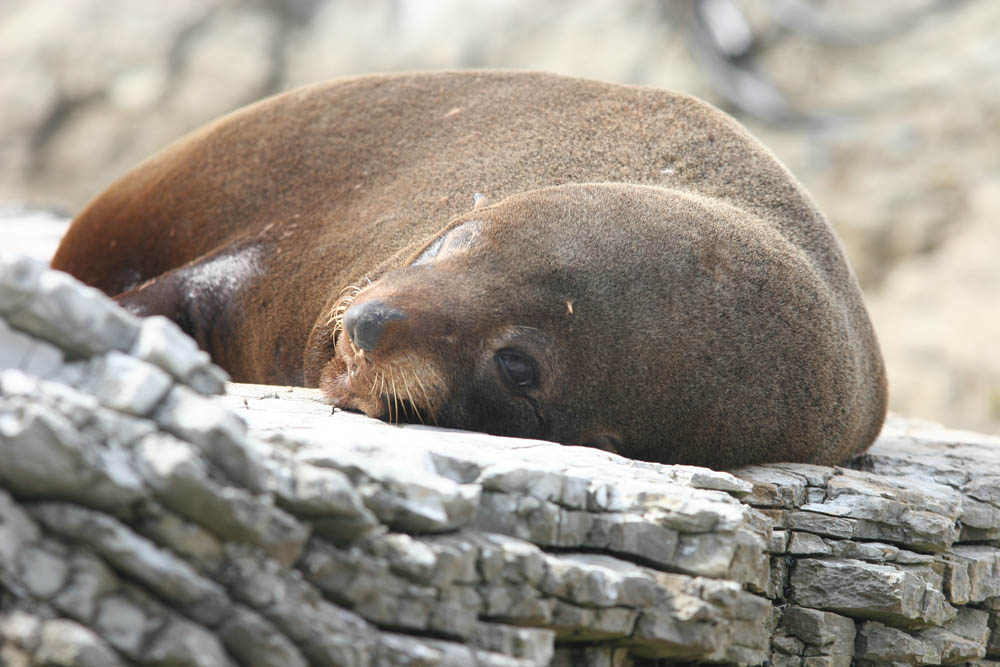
(395, 397)
(426, 396)
(336, 316)
(413, 406)
(405, 389)
(383, 392)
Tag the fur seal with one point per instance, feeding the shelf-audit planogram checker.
(645, 277)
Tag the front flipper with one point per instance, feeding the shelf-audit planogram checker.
(202, 297)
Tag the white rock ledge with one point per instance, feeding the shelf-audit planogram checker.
(145, 521)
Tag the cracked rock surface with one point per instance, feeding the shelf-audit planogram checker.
(145, 518)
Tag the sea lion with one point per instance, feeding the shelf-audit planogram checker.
(644, 276)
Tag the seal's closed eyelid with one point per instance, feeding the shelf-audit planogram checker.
(430, 252)
(457, 238)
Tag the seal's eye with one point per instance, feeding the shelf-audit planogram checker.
(517, 369)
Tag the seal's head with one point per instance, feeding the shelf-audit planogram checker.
(657, 324)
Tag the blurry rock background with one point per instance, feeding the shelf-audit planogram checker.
(888, 112)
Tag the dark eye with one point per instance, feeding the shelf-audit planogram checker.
(518, 370)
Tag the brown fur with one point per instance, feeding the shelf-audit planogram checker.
(681, 295)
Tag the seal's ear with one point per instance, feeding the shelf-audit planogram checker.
(480, 200)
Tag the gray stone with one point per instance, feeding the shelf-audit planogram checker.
(420, 504)
(535, 646)
(312, 538)
(985, 488)
(46, 456)
(27, 354)
(828, 661)
(628, 534)
(993, 643)
(787, 645)
(161, 570)
(807, 544)
(190, 540)
(590, 656)
(583, 624)
(17, 532)
(973, 573)
(819, 524)
(922, 529)
(70, 644)
(22, 628)
(182, 643)
(868, 591)
(19, 281)
(832, 633)
(161, 342)
(255, 642)
(43, 571)
(877, 552)
(774, 488)
(325, 633)
(219, 433)
(687, 623)
(878, 644)
(124, 624)
(963, 639)
(79, 319)
(598, 581)
(129, 385)
(322, 492)
(183, 483)
(778, 544)
(89, 581)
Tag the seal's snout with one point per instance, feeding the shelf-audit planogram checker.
(364, 322)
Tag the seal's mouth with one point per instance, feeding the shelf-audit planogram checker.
(396, 385)
(394, 390)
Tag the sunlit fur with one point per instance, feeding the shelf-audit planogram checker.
(692, 303)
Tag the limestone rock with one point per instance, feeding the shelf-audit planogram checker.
(142, 521)
(866, 590)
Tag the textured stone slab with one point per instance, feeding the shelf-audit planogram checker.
(142, 521)
(528, 489)
(54, 307)
(869, 591)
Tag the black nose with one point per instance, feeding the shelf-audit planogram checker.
(365, 321)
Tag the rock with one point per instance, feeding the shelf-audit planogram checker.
(161, 342)
(160, 570)
(184, 643)
(864, 590)
(27, 354)
(961, 640)
(185, 485)
(879, 644)
(142, 521)
(127, 384)
(257, 643)
(220, 434)
(20, 279)
(824, 633)
(80, 320)
(57, 642)
(47, 455)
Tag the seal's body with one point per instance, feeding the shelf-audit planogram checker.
(644, 276)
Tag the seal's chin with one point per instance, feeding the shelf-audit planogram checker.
(405, 389)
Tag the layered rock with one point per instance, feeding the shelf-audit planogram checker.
(145, 519)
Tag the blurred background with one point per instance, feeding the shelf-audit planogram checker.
(889, 113)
